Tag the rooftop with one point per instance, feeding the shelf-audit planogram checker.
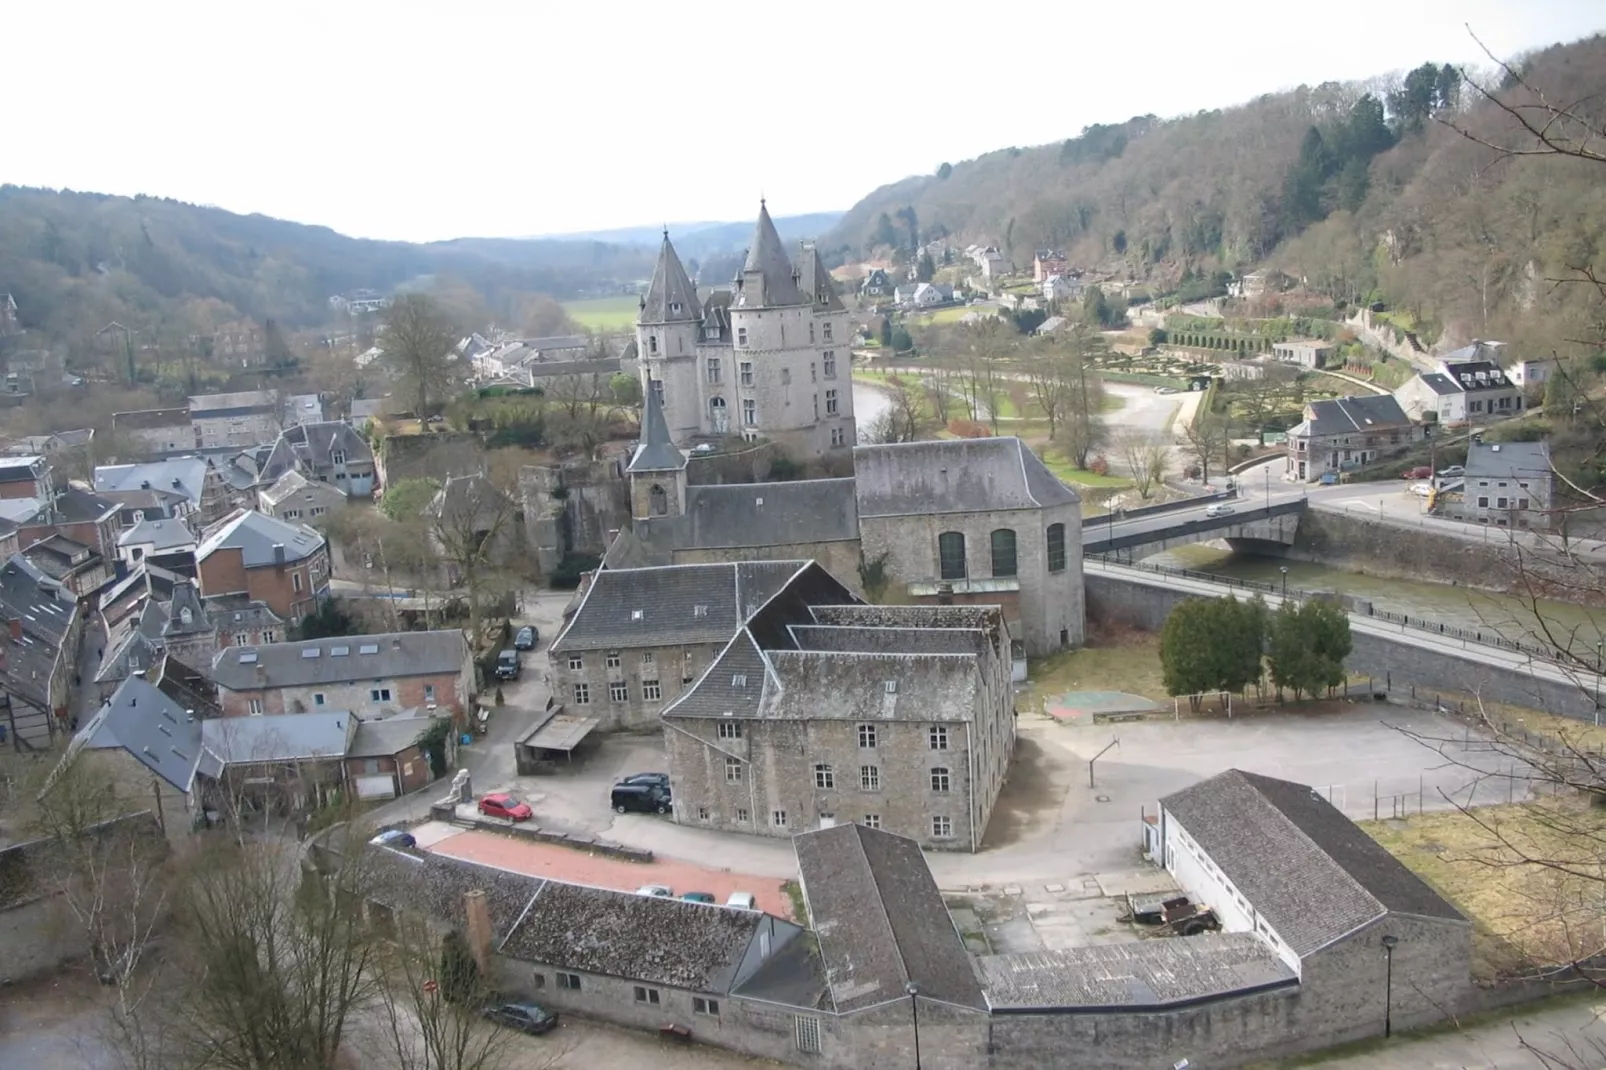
(208, 404)
(388, 736)
(278, 737)
(161, 535)
(155, 730)
(965, 475)
(1508, 460)
(333, 661)
(255, 535)
(184, 475)
(1337, 416)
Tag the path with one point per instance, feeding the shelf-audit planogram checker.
(1571, 1032)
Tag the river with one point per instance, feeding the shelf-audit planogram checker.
(868, 405)
(1466, 607)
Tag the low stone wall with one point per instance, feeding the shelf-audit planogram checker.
(531, 833)
(749, 465)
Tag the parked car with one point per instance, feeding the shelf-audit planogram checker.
(526, 638)
(656, 891)
(508, 806)
(1453, 470)
(1421, 471)
(507, 665)
(394, 838)
(1219, 509)
(699, 897)
(1422, 490)
(529, 1018)
(742, 901)
(642, 798)
(651, 779)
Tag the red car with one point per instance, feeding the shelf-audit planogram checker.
(506, 806)
(1420, 472)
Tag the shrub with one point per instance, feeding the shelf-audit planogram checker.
(968, 429)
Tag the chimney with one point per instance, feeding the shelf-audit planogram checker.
(278, 554)
(945, 594)
(16, 629)
(479, 928)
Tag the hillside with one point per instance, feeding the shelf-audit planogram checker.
(75, 261)
(1354, 187)
(712, 239)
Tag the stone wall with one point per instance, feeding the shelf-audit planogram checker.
(750, 464)
(571, 509)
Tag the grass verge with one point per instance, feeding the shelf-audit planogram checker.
(1128, 661)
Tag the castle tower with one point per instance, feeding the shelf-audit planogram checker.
(657, 469)
(666, 343)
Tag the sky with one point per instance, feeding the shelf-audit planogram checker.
(420, 122)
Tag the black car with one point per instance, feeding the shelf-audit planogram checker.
(642, 798)
(660, 780)
(526, 638)
(529, 1018)
(507, 665)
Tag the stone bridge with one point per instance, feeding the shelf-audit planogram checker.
(1248, 527)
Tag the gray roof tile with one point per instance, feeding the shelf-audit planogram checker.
(667, 598)
(1508, 460)
(1339, 416)
(348, 658)
(656, 452)
(749, 514)
(256, 534)
(279, 737)
(155, 730)
(958, 475)
(769, 280)
(670, 287)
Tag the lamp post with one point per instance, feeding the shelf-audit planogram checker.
(1284, 571)
(914, 1011)
(1388, 984)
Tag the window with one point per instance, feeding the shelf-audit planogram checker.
(571, 981)
(939, 780)
(747, 372)
(612, 659)
(830, 402)
(816, 406)
(295, 581)
(826, 327)
(658, 501)
(718, 416)
(828, 364)
(749, 412)
(647, 659)
(582, 694)
(806, 1027)
(1056, 547)
(337, 456)
(812, 377)
(618, 691)
(269, 635)
(710, 1007)
(742, 816)
(937, 737)
(241, 639)
(538, 979)
(651, 691)
(867, 737)
(713, 370)
(1003, 546)
(1522, 503)
(1483, 502)
(824, 777)
(730, 730)
(951, 555)
(647, 995)
(318, 699)
(255, 706)
(741, 336)
(778, 818)
(839, 437)
(733, 771)
(1500, 503)
(577, 661)
(942, 828)
(871, 821)
(869, 778)
(379, 694)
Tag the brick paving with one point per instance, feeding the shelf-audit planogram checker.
(577, 867)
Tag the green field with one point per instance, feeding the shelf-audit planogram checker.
(604, 313)
(952, 314)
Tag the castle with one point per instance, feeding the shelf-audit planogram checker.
(768, 357)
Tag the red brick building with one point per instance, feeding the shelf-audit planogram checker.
(281, 564)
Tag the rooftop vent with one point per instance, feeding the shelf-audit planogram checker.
(699, 611)
(892, 687)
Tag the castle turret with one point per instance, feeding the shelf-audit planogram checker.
(657, 469)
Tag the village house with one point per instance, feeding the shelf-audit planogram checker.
(28, 476)
(169, 543)
(303, 409)
(37, 651)
(638, 638)
(243, 418)
(324, 452)
(151, 614)
(1062, 288)
(877, 283)
(1343, 433)
(1309, 353)
(372, 675)
(202, 487)
(159, 432)
(386, 758)
(295, 497)
(282, 564)
(1046, 262)
(1461, 392)
(1507, 484)
(76, 566)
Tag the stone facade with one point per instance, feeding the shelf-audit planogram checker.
(627, 688)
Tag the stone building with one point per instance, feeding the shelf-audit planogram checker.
(897, 717)
(637, 639)
(968, 520)
(370, 675)
(282, 564)
(768, 357)
(243, 418)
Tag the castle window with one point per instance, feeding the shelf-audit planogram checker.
(717, 415)
(658, 500)
(1056, 547)
(652, 343)
(811, 334)
(824, 777)
(741, 336)
(951, 555)
(713, 370)
(675, 308)
(749, 412)
(747, 373)
(1003, 547)
(658, 388)
(937, 737)
(826, 327)
(829, 360)
(813, 377)
(939, 780)
(839, 437)
(830, 402)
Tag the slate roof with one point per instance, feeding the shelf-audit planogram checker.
(435, 884)
(670, 286)
(211, 405)
(760, 514)
(656, 452)
(1305, 867)
(155, 730)
(255, 534)
(954, 476)
(77, 506)
(880, 921)
(1341, 416)
(311, 445)
(1508, 460)
(768, 278)
(278, 737)
(161, 535)
(667, 597)
(185, 475)
(1467, 374)
(385, 737)
(734, 684)
(816, 281)
(342, 660)
(1439, 383)
(150, 419)
(658, 941)
(293, 483)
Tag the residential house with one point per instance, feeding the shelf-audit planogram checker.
(138, 506)
(994, 267)
(278, 763)
(167, 543)
(295, 497)
(514, 358)
(897, 717)
(149, 724)
(638, 638)
(39, 647)
(69, 450)
(76, 566)
(277, 562)
(1062, 288)
(1051, 325)
(85, 519)
(1261, 283)
(1046, 263)
(1461, 392)
(877, 283)
(158, 432)
(1345, 433)
(241, 344)
(151, 614)
(372, 675)
(201, 484)
(386, 757)
(1309, 353)
(242, 418)
(1507, 484)
(26, 477)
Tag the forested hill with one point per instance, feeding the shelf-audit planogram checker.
(1355, 187)
(75, 261)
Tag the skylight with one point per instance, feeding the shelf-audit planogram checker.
(339, 651)
(248, 658)
(310, 652)
(368, 648)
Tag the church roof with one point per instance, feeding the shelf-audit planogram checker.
(969, 475)
(671, 298)
(768, 278)
(817, 281)
(656, 452)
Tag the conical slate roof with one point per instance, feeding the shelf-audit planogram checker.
(817, 282)
(656, 453)
(671, 298)
(768, 277)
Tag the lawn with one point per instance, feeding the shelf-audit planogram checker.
(1062, 467)
(952, 314)
(605, 313)
(1521, 912)
(1129, 662)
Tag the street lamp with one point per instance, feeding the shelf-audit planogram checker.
(1284, 571)
(1388, 984)
(914, 1010)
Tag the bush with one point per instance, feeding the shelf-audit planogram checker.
(968, 429)
(1099, 465)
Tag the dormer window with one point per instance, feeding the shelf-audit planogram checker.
(185, 616)
(675, 308)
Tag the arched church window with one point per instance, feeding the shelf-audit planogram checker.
(658, 500)
(951, 555)
(1003, 547)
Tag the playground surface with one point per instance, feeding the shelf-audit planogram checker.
(1082, 706)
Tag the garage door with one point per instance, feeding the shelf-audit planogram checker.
(376, 787)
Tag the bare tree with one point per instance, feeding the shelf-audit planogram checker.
(469, 521)
(1146, 459)
(1205, 435)
(1050, 377)
(429, 1018)
(418, 342)
(1082, 427)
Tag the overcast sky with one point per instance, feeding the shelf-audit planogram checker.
(423, 121)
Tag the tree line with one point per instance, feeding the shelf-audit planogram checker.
(1231, 645)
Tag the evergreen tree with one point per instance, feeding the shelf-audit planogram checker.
(925, 268)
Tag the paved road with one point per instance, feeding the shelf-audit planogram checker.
(1099, 529)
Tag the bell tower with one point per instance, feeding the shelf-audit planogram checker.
(657, 469)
